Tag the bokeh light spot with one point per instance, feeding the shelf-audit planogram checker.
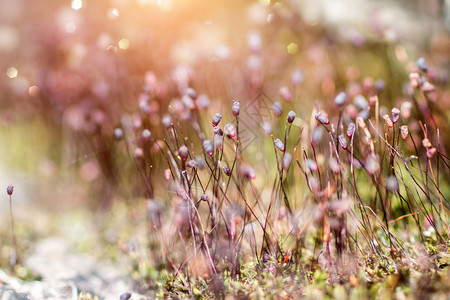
(77, 4)
(12, 72)
(292, 48)
(70, 27)
(124, 44)
(33, 91)
(113, 13)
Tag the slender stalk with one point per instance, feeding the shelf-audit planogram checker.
(13, 258)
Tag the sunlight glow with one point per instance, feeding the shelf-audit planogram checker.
(70, 27)
(12, 72)
(292, 48)
(124, 44)
(113, 13)
(77, 4)
(33, 91)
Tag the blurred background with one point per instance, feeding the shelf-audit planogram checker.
(72, 71)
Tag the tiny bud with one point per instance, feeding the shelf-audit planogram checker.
(285, 93)
(380, 85)
(191, 163)
(191, 93)
(218, 131)
(247, 172)
(364, 114)
(404, 132)
(226, 170)
(204, 197)
(167, 121)
(188, 102)
(291, 116)
(10, 189)
(388, 121)
(361, 123)
(323, 119)
(277, 108)
(287, 158)
(218, 141)
(428, 87)
(311, 164)
(342, 141)
(182, 194)
(202, 102)
(406, 109)
(314, 184)
(360, 102)
(395, 114)
(236, 108)
(316, 135)
(373, 100)
(372, 165)
(216, 119)
(138, 153)
(350, 130)
(353, 280)
(426, 143)
(340, 99)
(118, 134)
(167, 174)
(279, 144)
(367, 84)
(230, 131)
(199, 163)
(183, 152)
(414, 80)
(430, 152)
(137, 121)
(392, 183)
(297, 77)
(334, 166)
(209, 148)
(422, 64)
(146, 134)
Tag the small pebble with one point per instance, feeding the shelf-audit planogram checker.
(125, 296)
